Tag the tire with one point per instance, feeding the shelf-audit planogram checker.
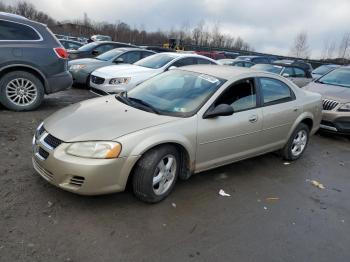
(147, 176)
(17, 83)
(297, 143)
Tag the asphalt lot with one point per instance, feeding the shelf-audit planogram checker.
(274, 213)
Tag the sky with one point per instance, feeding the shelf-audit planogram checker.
(268, 25)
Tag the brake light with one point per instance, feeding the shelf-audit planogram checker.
(61, 52)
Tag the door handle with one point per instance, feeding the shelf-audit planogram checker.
(296, 109)
(253, 119)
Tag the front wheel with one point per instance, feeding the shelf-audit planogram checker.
(156, 173)
(297, 143)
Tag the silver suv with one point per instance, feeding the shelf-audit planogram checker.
(32, 63)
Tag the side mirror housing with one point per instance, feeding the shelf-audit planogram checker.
(219, 110)
(95, 52)
(285, 75)
(119, 60)
(172, 67)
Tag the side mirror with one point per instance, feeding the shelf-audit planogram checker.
(119, 60)
(285, 75)
(172, 67)
(95, 52)
(219, 110)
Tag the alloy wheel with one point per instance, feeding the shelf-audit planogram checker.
(299, 143)
(21, 91)
(164, 174)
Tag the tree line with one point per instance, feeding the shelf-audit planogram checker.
(200, 35)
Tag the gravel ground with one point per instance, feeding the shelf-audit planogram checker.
(274, 212)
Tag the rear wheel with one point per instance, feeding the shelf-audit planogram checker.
(21, 91)
(156, 173)
(297, 143)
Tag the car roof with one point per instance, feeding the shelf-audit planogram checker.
(125, 49)
(223, 72)
(9, 15)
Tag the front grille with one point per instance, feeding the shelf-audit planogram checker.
(77, 181)
(43, 153)
(52, 141)
(329, 104)
(97, 80)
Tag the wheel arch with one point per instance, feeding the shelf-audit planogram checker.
(26, 68)
(187, 163)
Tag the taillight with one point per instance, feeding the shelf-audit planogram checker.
(61, 52)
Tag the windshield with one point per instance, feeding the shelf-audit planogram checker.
(268, 68)
(87, 47)
(176, 92)
(110, 55)
(156, 61)
(339, 77)
(322, 70)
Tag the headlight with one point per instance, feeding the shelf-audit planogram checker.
(119, 80)
(77, 67)
(345, 108)
(98, 149)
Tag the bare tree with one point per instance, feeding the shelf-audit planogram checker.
(344, 46)
(328, 49)
(300, 48)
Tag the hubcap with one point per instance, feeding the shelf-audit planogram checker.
(299, 143)
(21, 91)
(164, 174)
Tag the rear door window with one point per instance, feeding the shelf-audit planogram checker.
(299, 72)
(202, 61)
(10, 31)
(184, 62)
(274, 91)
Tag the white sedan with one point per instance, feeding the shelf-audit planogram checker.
(117, 78)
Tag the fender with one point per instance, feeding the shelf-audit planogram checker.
(299, 119)
(29, 67)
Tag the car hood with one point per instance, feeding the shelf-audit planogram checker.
(122, 70)
(103, 118)
(338, 93)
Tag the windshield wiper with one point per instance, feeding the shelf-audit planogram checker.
(144, 104)
(123, 98)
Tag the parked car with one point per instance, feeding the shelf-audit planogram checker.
(299, 75)
(231, 55)
(335, 90)
(157, 49)
(99, 38)
(181, 122)
(70, 44)
(216, 55)
(234, 62)
(117, 78)
(94, 49)
(32, 63)
(81, 69)
(256, 59)
(322, 70)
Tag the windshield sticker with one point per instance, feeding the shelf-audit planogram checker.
(180, 109)
(209, 78)
(277, 66)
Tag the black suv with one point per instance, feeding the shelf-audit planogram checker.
(32, 63)
(95, 48)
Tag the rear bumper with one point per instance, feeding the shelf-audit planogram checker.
(59, 82)
(337, 122)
